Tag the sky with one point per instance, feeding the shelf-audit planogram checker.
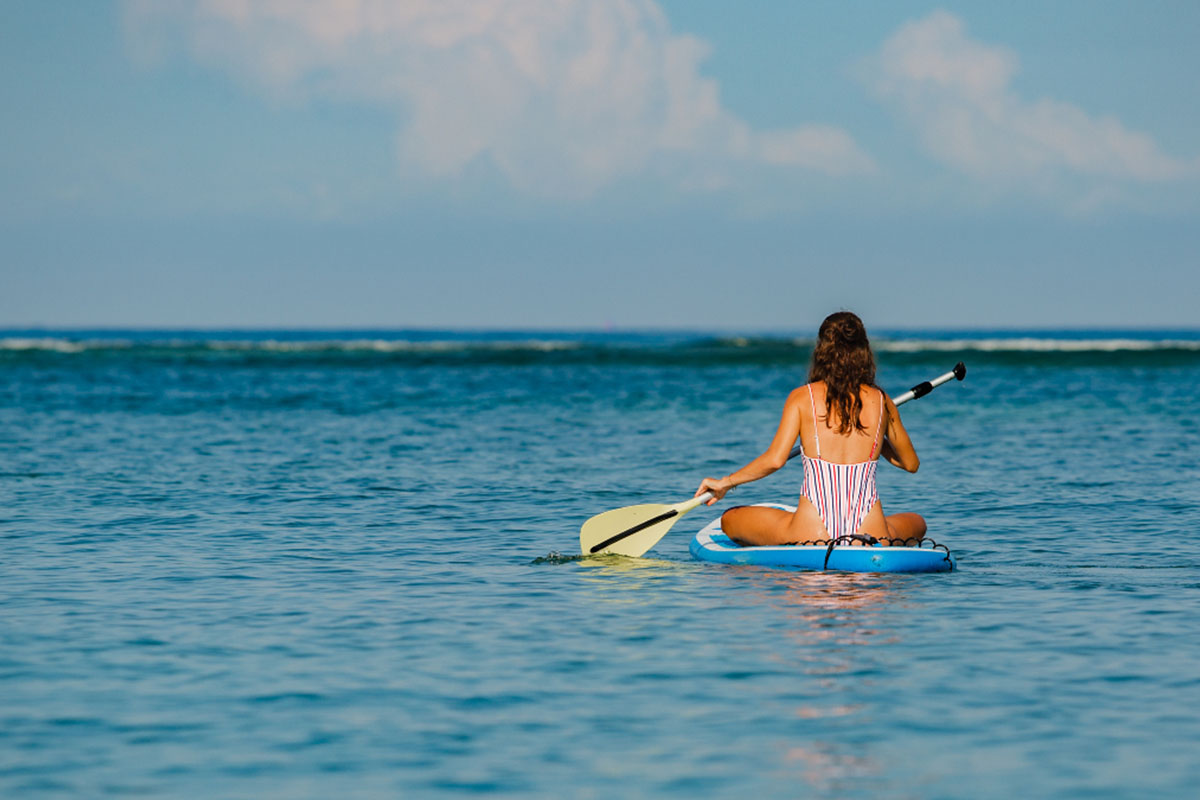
(599, 164)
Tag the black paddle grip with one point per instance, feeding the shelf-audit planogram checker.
(921, 389)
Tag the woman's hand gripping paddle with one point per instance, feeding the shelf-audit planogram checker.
(632, 530)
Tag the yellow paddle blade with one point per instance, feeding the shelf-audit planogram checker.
(595, 533)
(632, 530)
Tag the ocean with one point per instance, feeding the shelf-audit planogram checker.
(282, 564)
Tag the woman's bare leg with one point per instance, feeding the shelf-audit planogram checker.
(757, 525)
(906, 526)
(762, 525)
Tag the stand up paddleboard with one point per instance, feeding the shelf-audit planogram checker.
(711, 544)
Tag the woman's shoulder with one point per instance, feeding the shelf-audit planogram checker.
(800, 392)
(801, 398)
(817, 388)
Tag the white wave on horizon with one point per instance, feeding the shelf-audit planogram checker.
(43, 343)
(1029, 344)
(66, 345)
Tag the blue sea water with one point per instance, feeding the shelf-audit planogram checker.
(315, 564)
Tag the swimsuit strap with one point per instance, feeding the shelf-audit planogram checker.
(880, 425)
(814, 410)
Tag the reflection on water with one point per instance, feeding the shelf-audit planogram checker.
(826, 712)
(836, 625)
(623, 565)
(823, 768)
(621, 579)
(840, 590)
(834, 608)
(831, 634)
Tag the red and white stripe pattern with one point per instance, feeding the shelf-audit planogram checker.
(841, 493)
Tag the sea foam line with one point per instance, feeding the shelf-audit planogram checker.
(1034, 345)
(62, 345)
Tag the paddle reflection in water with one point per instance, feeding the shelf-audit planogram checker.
(623, 580)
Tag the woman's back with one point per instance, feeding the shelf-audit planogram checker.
(818, 428)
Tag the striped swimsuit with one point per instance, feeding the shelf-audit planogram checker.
(841, 493)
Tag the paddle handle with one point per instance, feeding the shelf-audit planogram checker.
(920, 390)
(688, 505)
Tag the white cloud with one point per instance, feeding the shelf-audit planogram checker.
(957, 93)
(562, 96)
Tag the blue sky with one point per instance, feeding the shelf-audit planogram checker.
(599, 164)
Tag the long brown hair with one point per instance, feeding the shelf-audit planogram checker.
(843, 359)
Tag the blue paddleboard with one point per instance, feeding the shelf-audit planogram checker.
(711, 544)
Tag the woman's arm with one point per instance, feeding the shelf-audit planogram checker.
(772, 458)
(897, 447)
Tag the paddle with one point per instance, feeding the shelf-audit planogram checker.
(632, 530)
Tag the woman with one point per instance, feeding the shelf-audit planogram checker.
(844, 423)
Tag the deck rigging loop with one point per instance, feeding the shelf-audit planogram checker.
(925, 544)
